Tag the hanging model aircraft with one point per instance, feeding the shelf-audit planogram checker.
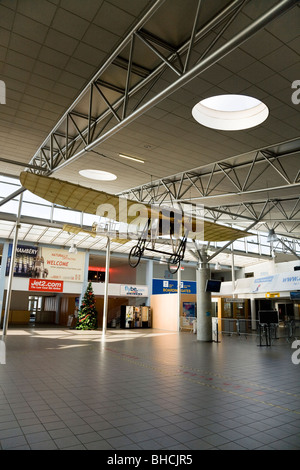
(145, 223)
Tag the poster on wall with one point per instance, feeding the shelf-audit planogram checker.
(24, 260)
(60, 264)
(47, 263)
(189, 309)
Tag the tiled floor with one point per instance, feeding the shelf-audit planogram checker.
(146, 389)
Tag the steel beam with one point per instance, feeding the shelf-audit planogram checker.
(85, 144)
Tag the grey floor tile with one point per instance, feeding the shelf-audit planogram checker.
(67, 441)
(148, 393)
(11, 443)
(248, 443)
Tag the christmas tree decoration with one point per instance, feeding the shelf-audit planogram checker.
(87, 314)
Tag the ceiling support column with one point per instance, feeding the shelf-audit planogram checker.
(2, 276)
(149, 280)
(105, 306)
(11, 268)
(178, 298)
(204, 304)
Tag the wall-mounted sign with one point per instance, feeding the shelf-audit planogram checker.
(295, 295)
(47, 263)
(45, 285)
(163, 286)
(276, 283)
(134, 291)
(60, 264)
(24, 260)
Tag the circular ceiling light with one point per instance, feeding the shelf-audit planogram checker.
(98, 175)
(230, 112)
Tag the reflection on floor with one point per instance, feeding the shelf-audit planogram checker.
(146, 389)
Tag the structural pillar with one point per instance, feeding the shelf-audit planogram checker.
(253, 314)
(85, 276)
(178, 297)
(11, 268)
(204, 304)
(232, 274)
(105, 306)
(149, 279)
(2, 276)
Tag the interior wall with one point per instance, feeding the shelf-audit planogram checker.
(164, 312)
(123, 274)
(120, 273)
(67, 307)
(160, 271)
(19, 300)
(113, 309)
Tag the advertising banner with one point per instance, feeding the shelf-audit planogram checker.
(60, 264)
(47, 263)
(277, 283)
(45, 285)
(24, 260)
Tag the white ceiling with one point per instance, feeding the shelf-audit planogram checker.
(51, 49)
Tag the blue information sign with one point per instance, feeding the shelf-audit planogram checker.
(169, 286)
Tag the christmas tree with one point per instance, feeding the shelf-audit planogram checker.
(87, 314)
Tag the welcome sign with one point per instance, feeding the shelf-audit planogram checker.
(46, 263)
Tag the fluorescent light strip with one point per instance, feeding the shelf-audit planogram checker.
(131, 158)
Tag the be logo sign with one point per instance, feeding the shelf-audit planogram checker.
(2, 92)
(296, 354)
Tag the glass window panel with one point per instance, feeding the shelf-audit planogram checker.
(239, 245)
(265, 250)
(89, 219)
(253, 247)
(11, 180)
(252, 239)
(29, 197)
(66, 215)
(7, 189)
(10, 207)
(35, 210)
(263, 239)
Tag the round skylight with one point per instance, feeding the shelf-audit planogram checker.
(98, 175)
(230, 112)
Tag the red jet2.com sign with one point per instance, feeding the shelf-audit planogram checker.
(43, 285)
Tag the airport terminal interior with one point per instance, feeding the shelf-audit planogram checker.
(150, 225)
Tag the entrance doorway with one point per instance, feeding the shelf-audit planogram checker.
(286, 311)
(34, 306)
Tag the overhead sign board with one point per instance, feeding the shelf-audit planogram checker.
(169, 286)
(276, 283)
